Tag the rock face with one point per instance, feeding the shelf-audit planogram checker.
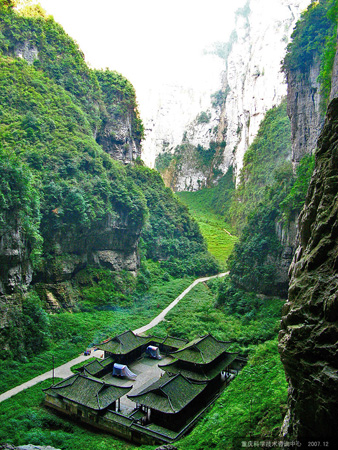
(169, 110)
(117, 140)
(254, 79)
(27, 51)
(15, 267)
(309, 335)
(250, 85)
(304, 111)
(287, 239)
(112, 244)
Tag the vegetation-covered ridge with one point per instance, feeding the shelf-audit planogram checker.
(269, 152)
(262, 209)
(37, 38)
(265, 206)
(314, 40)
(75, 223)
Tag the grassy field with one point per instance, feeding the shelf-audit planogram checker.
(216, 232)
(197, 315)
(73, 332)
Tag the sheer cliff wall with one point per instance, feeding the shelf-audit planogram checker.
(309, 331)
(252, 83)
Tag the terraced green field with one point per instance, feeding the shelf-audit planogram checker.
(216, 232)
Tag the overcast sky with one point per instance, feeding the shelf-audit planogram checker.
(148, 41)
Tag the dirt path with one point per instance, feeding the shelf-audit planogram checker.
(59, 372)
(64, 370)
(162, 315)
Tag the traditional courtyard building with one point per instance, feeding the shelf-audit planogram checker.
(170, 344)
(157, 412)
(128, 346)
(97, 368)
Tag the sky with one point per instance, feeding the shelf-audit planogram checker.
(148, 41)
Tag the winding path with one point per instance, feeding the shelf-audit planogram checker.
(162, 315)
(64, 370)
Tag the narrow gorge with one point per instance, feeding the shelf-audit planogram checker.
(113, 200)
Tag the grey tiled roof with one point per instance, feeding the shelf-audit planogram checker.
(202, 350)
(88, 391)
(169, 394)
(200, 372)
(96, 366)
(124, 343)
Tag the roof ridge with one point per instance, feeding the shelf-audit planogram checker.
(98, 399)
(71, 377)
(171, 363)
(201, 352)
(91, 377)
(169, 380)
(86, 370)
(192, 343)
(170, 403)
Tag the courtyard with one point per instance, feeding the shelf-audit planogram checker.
(147, 372)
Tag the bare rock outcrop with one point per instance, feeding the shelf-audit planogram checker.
(117, 139)
(304, 111)
(15, 266)
(309, 335)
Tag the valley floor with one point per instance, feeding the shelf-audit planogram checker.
(64, 371)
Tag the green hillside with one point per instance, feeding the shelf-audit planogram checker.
(66, 199)
(216, 232)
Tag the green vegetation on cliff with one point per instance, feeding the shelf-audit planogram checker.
(171, 236)
(310, 34)
(120, 99)
(268, 154)
(64, 201)
(54, 53)
(315, 39)
(19, 198)
(77, 183)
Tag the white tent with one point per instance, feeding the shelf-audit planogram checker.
(121, 370)
(153, 352)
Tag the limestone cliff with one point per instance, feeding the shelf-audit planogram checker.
(251, 84)
(121, 129)
(309, 335)
(254, 79)
(304, 111)
(168, 110)
(15, 266)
